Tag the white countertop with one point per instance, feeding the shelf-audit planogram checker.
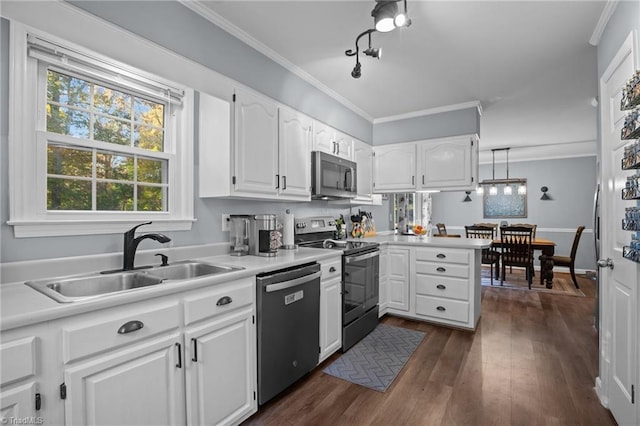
(21, 305)
(410, 240)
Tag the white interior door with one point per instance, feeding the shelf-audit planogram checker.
(619, 283)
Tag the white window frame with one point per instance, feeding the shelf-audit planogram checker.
(28, 162)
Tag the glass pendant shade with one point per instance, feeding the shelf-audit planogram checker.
(493, 190)
(507, 190)
(480, 190)
(522, 189)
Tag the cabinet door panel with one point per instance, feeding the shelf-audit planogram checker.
(221, 380)
(324, 138)
(364, 160)
(295, 154)
(256, 148)
(330, 318)
(139, 385)
(17, 403)
(447, 164)
(394, 168)
(398, 281)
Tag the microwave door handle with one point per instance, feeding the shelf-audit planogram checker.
(348, 178)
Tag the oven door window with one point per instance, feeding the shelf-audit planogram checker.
(361, 276)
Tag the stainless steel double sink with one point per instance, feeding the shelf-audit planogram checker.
(95, 285)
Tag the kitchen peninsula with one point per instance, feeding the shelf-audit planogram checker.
(431, 279)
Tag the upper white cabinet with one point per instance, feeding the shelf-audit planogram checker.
(294, 157)
(394, 167)
(435, 164)
(256, 145)
(252, 148)
(331, 141)
(364, 160)
(448, 163)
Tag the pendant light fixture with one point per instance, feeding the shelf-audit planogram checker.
(385, 18)
(508, 189)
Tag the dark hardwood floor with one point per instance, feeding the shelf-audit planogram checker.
(532, 361)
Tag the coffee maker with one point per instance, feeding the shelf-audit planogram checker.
(263, 238)
(239, 234)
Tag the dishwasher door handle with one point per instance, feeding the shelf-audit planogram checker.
(291, 283)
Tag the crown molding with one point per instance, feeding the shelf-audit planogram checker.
(431, 111)
(608, 10)
(199, 7)
(543, 152)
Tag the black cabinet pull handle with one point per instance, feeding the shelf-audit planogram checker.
(441, 269)
(179, 364)
(284, 182)
(332, 269)
(441, 308)
(130, 327)
(441, 256)
(38, 402)
(277, 181)
(194, 358)
(441, 287)
(224, 301)
(423, 179)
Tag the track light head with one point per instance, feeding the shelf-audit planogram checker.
(356, 71)
(375, 52)
(384, 14)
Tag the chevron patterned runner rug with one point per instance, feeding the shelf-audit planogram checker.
(376, 360)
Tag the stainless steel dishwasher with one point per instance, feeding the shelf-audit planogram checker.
(288, 304)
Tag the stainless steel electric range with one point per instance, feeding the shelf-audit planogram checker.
(360, 275)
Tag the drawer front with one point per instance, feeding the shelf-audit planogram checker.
(219, 300)
(446, 255)
(430, 285)
(331, 269)
(443, 269)
(18, 359)
(117, 327)
(454, 310)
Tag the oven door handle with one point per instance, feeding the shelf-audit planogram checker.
(292, 283)
(349, 259)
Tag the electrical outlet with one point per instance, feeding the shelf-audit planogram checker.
(225, 222)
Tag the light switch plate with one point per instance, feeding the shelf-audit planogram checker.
(225, 222)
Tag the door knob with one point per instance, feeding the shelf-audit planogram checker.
(605, 263)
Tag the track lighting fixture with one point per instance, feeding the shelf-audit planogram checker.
(385, 18)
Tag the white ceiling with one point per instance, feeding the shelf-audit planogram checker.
(528, 63)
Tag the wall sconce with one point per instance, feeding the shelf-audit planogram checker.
(467, 198)
(385, 18)
(545, 197)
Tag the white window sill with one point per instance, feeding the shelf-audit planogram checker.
(26, 229)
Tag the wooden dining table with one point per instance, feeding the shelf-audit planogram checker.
(547, 247)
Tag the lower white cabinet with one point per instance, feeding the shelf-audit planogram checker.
(436, 284)
(173, 360)
(399, 270)
(18, 401)
(330, 308)
(139, 384)
(383, 289)
(220, 370)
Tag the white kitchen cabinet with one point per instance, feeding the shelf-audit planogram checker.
(399, 279)
(383, 292)
(19, 396)
(265, 154)
(256, 145)
(444, 164)
(448, 163)
(330, 307)
(220, 354)
(295, 132)
(394, 167)
(363, 156)
(139, 384)
(331, 141)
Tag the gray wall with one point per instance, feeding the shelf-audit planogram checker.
(450, 123)
(625, 18)
(226, 55)
(571, 184)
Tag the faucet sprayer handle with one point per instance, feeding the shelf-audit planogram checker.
(164, 258)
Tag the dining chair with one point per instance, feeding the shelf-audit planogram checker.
(528, 225)
(442, 230)
(516, 250)
(489, 256)
(569, 261)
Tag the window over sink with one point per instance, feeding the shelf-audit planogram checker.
(94, 144)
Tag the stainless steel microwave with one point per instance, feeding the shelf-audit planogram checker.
(332, 177)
